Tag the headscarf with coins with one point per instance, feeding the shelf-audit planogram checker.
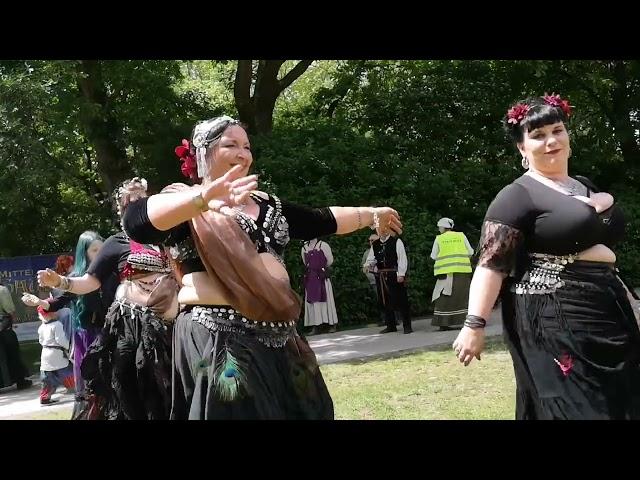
(129, 191)
(205, 134)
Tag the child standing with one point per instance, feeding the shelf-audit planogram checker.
(55, 367)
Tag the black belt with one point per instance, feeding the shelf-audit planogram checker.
(57, 347)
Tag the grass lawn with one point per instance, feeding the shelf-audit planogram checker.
(429, 385)
(30, 352)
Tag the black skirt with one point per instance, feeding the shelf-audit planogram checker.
(451, 310)
(128, 368)
(230, 367)
(575, 350)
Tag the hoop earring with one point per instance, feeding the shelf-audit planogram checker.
(525, 163)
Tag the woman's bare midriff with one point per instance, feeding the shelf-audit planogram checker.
(199, 288)
(598, 253)
(132, 291)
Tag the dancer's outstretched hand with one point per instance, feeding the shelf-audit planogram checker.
(230, 190)
(469, 344)
(48, 278)
(388, 221)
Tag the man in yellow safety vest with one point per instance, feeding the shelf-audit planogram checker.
(451, 252)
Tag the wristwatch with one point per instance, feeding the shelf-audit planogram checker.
(199, 202)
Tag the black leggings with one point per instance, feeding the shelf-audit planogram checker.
(393, 298)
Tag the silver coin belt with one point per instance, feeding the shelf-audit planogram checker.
(124, 304)
(225, 319)
(544, 275)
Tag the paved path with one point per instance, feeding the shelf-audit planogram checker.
(368, 343)
(20, 404)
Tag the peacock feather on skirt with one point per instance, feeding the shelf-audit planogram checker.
(228, 378)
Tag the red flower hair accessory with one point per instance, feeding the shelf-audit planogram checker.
(517, 113)
(189, 167)
(555, 101)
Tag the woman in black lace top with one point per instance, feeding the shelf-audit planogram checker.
(236, 350)
(547, 248)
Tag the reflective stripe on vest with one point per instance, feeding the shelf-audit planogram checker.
(453, 256)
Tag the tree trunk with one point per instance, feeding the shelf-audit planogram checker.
(257, 111)
(100, 125)
(242, 93)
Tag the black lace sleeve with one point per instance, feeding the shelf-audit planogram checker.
(499, 246)
(509, 217)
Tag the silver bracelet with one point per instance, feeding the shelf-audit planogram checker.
(376, 220)
(359, 218)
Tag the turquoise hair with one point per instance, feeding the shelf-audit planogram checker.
(80, 266)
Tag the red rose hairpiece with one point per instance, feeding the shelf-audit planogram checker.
(555, 101)
(517, 113)
(520, 110)
(189, 167)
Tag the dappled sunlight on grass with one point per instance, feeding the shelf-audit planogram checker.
(428, 385)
